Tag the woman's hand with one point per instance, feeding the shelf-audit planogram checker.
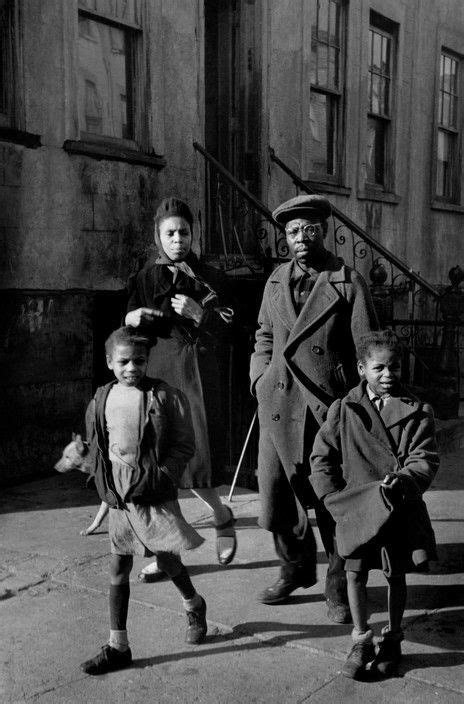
(142, 316)
(187, 307)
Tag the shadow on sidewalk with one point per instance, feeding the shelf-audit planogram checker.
(292, 633)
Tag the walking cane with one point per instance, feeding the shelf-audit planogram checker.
(247, 439)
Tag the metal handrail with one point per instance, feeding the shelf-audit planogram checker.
(389, 256)
(240, 188)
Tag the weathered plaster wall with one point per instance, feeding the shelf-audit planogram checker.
(429, 240)
(73, 228)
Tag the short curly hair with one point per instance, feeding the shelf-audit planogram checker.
(378, 339)
(128, 335)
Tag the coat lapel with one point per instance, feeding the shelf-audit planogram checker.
(281, 297)
(359, 400)
(395, 413)
(321, 299)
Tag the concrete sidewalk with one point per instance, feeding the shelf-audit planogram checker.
(53, 610)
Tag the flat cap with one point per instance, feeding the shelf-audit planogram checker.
(302, 207)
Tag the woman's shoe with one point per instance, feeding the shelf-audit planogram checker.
(151, 573)
(226, 540)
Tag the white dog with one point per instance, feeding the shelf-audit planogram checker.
(74, 456)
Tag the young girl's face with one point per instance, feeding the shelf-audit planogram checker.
(129, 363)
(382, 370)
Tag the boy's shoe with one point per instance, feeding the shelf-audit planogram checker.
(197, 626)
(360, 655)
(388, 656)
(107, 660)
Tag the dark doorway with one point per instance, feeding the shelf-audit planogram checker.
(233, 93)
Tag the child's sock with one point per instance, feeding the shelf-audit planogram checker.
(119, 605)
(118, 640)
(192, 604)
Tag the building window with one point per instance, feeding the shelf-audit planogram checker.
(7, 69)
(382, 46)
(107, 71)
(326, 98)
(447, 185)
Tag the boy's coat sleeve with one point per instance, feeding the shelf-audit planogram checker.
(421, 460)
(326, 458)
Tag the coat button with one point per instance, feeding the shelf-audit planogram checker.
(276, 416)
(280, 385)
(317, 350)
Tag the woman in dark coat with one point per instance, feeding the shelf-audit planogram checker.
(188, 307)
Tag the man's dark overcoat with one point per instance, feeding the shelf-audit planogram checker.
(302, 363)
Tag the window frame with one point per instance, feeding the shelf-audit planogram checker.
(337, 96)
(133, 82)
(390, 30)
(455, 198)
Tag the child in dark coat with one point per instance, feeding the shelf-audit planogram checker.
(372, 460)
(140, 437)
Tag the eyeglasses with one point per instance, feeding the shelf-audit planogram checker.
(308, 230)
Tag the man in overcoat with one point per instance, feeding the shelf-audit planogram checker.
(313, 309)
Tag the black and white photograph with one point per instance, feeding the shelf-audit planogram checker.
(232, 351)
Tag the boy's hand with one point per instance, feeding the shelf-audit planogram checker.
(143, 316)
(187, 307)
(392, 484)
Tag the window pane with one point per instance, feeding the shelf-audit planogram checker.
(323, 130)
(385, 96)
(323, 20)
(446, 145)
(375, 151)
(386, 44)
(446, 109)
(103, 70)
(333, 67)
(6, 82)
(376, 51)
(334, 35)
(375, 94)
(446, 74)
(322, 61)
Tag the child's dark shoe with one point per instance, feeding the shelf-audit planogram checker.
(360, 655)
(107, 660)
(388, 656)
(197, 626)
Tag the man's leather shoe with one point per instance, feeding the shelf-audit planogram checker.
(338, 612)
(281, 590)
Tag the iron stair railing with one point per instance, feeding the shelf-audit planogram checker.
(242, 234)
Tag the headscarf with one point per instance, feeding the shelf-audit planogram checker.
(174, 207)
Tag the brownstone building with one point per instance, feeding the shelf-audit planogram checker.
(101, 102)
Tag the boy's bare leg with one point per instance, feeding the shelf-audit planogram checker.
(97, 521)
(357, 597)
(223, 521)
(389, 654)
(362, 651)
